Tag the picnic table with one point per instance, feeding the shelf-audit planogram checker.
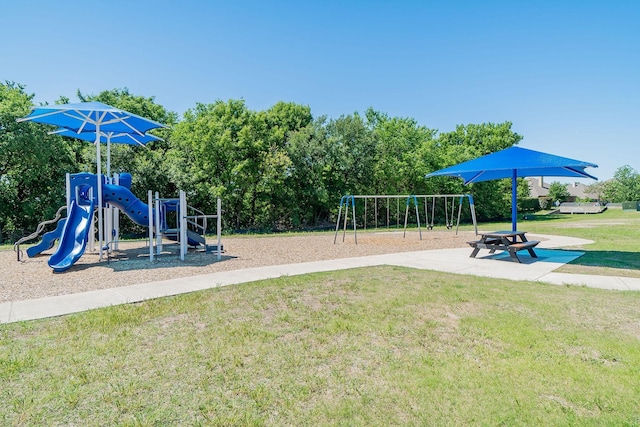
(509, 241)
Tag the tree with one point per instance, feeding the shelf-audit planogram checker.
(205, 156)
(398, 167)
(597, 190)
(624, 187)
(492, 198)
(350, 156)
(308, 150)
(275, 191)
(32, 165)
(558, 192)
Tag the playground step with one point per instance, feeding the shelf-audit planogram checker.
(193, 238)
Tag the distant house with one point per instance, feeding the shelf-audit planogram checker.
(538, 187)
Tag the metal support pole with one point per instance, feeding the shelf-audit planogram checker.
(219, 226)
(150, 213)
(158, 230)
(338, 220)
(353, 205)
(116, 218)
(99, 185)
(68, 184)
(365, 214)
(514, 200)
(346, 214)
(472, 207)
(406, 217)
(415, 201)
(183, 224)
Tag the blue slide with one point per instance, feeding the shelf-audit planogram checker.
(48, 240)
(122, 198)
(75, 233)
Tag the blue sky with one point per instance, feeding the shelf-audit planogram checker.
(565, 73)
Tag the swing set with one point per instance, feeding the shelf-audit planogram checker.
(434, 205)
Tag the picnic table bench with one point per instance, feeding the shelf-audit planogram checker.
(509, 241)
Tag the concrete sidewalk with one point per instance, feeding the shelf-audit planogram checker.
(447, 260)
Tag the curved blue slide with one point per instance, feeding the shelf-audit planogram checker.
(75, 233)
(73, 239)
(122, 198)
(48, 240)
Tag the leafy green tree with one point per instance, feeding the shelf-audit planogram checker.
(398, 167)
(226, 150)
(275, 199)
(597, 190)
(471, 141)
(212, 150)
(351, 152)
(492, 198)
(310, 199)
(624, 187)
(32, 165)
(558, 192)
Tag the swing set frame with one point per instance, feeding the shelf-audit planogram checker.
(410, 199)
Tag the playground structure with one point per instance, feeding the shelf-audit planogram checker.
(77, 230)
(436, 203)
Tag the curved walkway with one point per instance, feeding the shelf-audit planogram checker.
(499, 265)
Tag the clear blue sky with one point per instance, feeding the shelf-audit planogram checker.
(566, 73)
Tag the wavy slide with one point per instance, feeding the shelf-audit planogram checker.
(73, 239)
(48, 240)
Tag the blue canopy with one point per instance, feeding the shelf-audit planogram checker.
(109, 137)
(516, 162)
(91, 116)
(521, 161)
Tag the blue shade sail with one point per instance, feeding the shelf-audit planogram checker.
(524, 162)
(91, 116)
(109, 137)
(516, 162)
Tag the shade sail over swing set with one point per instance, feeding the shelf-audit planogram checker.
(514, 163)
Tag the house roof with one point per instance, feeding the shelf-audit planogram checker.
(540, 188)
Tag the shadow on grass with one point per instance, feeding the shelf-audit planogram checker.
(609, 259)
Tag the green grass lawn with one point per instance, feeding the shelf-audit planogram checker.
(375, 346)
(616, 236)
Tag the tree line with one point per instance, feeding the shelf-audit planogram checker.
(277, 169)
